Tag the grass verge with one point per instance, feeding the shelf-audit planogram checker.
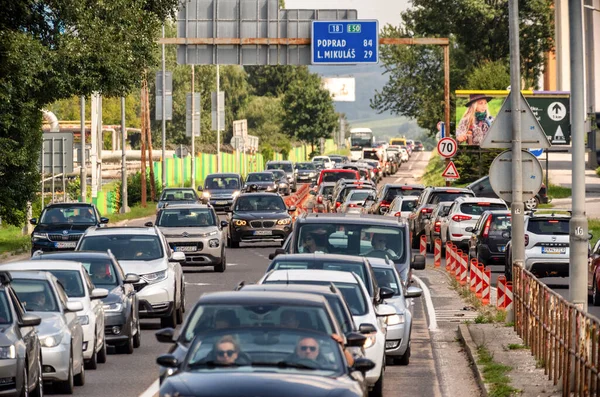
(13, 240)
(594, 228)
(516, 346)
(494, 374)
(136, 212)
(558, 192)
(433, 171)
(487, 314)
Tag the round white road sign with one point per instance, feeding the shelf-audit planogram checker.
(447, 147)
(557, 111)
(501, 175)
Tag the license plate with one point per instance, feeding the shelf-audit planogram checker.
(502, 248)
(263, 232)
(554, 250)
(221, 202)
(186, 248)
(69, 244)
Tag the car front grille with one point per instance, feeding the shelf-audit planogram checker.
(64, 237)
(262, 224)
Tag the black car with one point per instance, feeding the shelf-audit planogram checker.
(20, 348)
(256, 217)
(287, 167)
(419, 146)
(483, 188)
(283, 186)
(177, 195)
(488, 240)
(61, 226)
(388, 192)
(121, 315)
(306, 172)
(260, 181)
(221, 190)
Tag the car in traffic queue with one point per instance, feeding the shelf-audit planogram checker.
(283, 186)
(177, 195)
(306, 172)
(195, 230)
(428, 199)
(20, 348)
(269, 361)
(257, 217)
(221, 189)
(402, 206)
(403, 154)
(483, 188)
(260, 181)
(341, 190)
(419, 146)
(61, 225)
(60, 345)
(338, 159)
(399, 326)
(488, 239)
(144, 251)
(79, 288)
(321, 197)
(234, 309)
(375, 168)
(334, 175)
(327, 162)
(355, 200)
(370, 317)
(388, 192)
(464, 213)
(433, 224)
(287, 167)
(121, 313)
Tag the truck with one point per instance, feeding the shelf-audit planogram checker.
(360, 138)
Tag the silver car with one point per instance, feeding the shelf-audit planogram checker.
(195, 230)
(355, 201)
(399, 326)
(60, 332)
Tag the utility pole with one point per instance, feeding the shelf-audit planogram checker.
(218, 122)
(143, 144)
(517, 207)
(193, 128)
(123, 159)
(164, 116)
(578, 226)
(83, 173)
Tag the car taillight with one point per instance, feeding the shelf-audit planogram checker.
(352, 205)
(486, 227)
(337, 204)
(320, 199)
(397, 214)
(385, 204)
(427, 210)
(460, 218)
(437, 226)
(526, 239)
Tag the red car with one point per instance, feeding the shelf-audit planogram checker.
(334, 175)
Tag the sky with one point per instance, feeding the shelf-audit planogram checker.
(385, 11)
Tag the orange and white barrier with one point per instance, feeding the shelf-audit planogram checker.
(479, 283)
(423, 246)
(473, 275)
(464, 266)
(508, 298)
(458, 264)
(437, 253)
(448, 254)
(501, 293)
(486, 291)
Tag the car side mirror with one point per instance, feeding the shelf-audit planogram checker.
(363, 365)
(469, 229)
(278, 251)
(384, 310)
(506, 234)
(224, 223)
(178, 256)
(355, 339)
(99, 293)
(33, 221)
(148, 224)
(292, 208)
(29, 320)
(367, 328)
(385, 293)
(167, 361)
(165, 335)
(74, 306)
(418, 262)
(199, 188)
(413, 292)
(103, 220)
(131, 278)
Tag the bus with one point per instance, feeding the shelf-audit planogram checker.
(360, 138)
(398, 141)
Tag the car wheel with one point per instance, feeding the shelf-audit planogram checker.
(25, 385)
(137, 338)
(127, 348)
(233, 244)
(595, 294)
(67, 386)
(101, 357)
(532, 203)
(92, 363)
(221, 267)
(39, 387)
(508, 267)
(405, 358)
(377, 390)
(179, 313)
(170, 321)
(415, 241)
(79, 379)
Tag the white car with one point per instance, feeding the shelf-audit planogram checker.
(371, 319)
(328, 163)
(144, 251)
(465, 213)
(79, 288)
(402, 206)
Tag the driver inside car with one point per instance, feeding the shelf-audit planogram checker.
(380, 249)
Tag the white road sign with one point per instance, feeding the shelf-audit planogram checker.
(557, 111)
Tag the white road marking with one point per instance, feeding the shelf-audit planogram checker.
(430, 309)
(399, 179)
(152, 390)
(198, 284)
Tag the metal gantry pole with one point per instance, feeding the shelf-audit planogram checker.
(218, 121)
(164, 116)
(517, 207)
(578, 227)
(123, 159)
(83, 174)
(193, 128)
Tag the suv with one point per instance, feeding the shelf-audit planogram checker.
(488, 240)
(221, 190)
(61, 225)
(144, 251)
(483, 188)
(306, 172)
(288, 168)
(327, 162)
(341, 189)
(336, 174)
(177, 195)
(195, 230)
(388, 192)
(427, 201)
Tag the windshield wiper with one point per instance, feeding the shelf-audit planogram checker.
(212, 364)
(282, 364)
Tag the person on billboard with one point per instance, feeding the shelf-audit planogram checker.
(476, 120)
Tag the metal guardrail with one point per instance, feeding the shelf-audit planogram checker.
(563, 339)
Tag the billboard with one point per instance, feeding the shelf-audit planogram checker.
(342, 89)
(477, 110)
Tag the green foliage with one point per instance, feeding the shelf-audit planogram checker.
(134, 190)
(274, 80)
(474, 162)
(433, 171)
(517, 346)
(74, 189)
(489, 76)
(267, 152)
(265, 120)
(494, 374)
(558, 192)
(13, 240)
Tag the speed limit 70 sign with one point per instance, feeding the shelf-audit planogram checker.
(447, 147)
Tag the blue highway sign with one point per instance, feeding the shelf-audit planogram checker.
(345, 42)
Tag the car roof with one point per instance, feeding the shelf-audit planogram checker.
(400, 185)
(301, 288)
(260, 194)
(260, 297)
(179, 188)
(480, 200)
(313, 275)
(30, 275)
(69, 254)
(443, 189)
(321, 257)
(189, 205)
(223, 174)
(348, 218)
(73, 204)
(379, 262)
(44, 264)
(498, 212)
(129, 230)
(261, 172)
(279, 161)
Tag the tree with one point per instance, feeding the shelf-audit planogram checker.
(309, 111)
(489, 76)
(265, 120)
(274, 80)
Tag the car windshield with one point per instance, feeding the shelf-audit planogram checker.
(102, 272)
(321, 159)
(351, 188)
(327, 190)
(36, 295)
(437, 197)
(179, 195)
(387, 278)
(337, 160)
(75, 214)
(356, 268)
(71, 282)
(278, 174)
(258, 203)
(359, 195)
(479, 208)
(186, 217)
(261, 177)
(272, 349)
(387, 242)
(408, 205)
(126, 247)
(305, 166)
(334, 176)
(286, 167)
(549, 226)
(500, 223)
(222, 183)
(206, 318)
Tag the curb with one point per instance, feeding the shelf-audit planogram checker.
(471, 349)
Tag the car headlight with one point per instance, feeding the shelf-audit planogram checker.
(113, 307)
(40, 236)
(286, 221)
(312, 175)
(206, 194)
(370, 341)
(213, 233)
(235, 194)
(52, 340)
(395, 319)
(239, 222)
(282, 184)
(155, 277)
(214, 243)
(83, 320)
(8, 352)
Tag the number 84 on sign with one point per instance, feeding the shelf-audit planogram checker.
(447, 147)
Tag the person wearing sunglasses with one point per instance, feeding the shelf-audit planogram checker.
(226, 351)
(307, 349)
(311, 245)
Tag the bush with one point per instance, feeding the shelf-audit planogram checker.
(598, 171)
(134, 191)
(473, 162)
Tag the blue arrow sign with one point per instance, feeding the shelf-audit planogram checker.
(536, 152)
(345, 42)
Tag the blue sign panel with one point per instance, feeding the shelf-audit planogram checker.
(536, 152)
(344, 42)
